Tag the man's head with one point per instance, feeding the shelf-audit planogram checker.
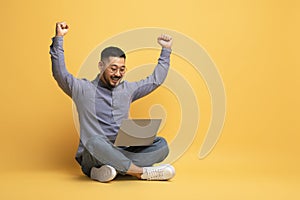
(112, 66)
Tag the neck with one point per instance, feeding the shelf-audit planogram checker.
(103, 82)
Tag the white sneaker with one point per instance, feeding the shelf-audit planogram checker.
(103, 174)
(162, 172)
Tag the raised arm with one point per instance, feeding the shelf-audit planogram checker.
(160, 72)
(64, 79)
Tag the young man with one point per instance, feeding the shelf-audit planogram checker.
(102, 104)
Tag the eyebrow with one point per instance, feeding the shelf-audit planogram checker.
(115, 65)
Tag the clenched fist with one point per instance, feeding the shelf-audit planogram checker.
(61, 29)
(165, 41)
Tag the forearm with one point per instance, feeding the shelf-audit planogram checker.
(162, 68)
(158, 76)
(59, 70)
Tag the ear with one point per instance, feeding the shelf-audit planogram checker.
(101, 66)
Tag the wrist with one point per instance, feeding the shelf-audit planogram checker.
(166, 47)
(59, 35)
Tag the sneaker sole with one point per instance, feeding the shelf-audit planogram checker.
(103, 174)
(172, 173)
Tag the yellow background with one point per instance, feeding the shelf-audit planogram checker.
(253, 43)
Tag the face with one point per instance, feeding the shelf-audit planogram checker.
(113, 70)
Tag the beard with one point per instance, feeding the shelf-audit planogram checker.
(111, 80)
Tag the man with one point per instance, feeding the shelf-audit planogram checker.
(102, 104)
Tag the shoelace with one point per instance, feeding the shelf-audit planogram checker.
(155, 174)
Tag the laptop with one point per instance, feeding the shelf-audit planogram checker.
(137, 132)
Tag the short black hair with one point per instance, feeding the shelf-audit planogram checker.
(112, 52)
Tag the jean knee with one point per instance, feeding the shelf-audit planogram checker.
(164, 147)
(96, 144)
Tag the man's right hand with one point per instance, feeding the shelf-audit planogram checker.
(61, 29)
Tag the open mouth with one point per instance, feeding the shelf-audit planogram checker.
(115, 79)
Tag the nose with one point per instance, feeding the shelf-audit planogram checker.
(118, 72)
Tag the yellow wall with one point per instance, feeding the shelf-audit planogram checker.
(255, 45)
